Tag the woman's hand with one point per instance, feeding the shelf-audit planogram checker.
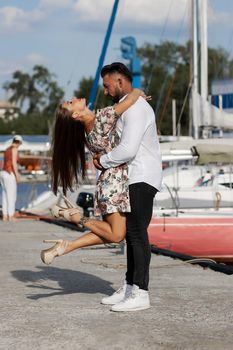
(143, 94)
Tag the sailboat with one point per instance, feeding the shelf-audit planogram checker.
(200, 221)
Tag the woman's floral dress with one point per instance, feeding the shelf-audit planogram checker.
(112, 192)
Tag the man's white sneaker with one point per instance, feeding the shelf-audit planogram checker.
(118, 296)
(138, 300)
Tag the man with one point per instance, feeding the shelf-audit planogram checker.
(139, 148)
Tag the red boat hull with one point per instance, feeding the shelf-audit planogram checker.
(199, 237)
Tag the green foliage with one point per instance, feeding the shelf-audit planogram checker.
(84, 89)
(37, 96)
(26, 124)
(166, 76)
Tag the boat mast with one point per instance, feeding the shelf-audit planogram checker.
(194, 70)
(204, 49)
(204, 116)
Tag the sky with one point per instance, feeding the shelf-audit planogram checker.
(66, 36)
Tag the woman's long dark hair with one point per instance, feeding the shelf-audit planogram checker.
(68, 151)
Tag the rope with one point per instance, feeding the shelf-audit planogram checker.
(218, 200)
(203, 262)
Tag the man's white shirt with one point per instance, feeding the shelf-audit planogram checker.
(138, 147)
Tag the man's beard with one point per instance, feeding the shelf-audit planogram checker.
(118, 96)
(116, 99)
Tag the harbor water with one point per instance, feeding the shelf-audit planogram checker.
(28, 192)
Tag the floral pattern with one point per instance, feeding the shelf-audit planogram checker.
(112, 192)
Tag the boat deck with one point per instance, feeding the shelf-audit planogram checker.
(209, 237)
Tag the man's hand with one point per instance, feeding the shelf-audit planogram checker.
(96, 161)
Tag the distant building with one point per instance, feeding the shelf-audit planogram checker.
(8, 110)
(222, 94)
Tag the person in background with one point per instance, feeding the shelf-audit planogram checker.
(9, 177)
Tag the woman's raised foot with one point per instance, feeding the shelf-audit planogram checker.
(58, 249)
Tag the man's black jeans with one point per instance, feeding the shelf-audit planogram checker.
(138, 248)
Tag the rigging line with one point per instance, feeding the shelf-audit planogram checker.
(187, 94)
(120, 11)
(189, 88)
(166, 100)
(161, 36)
(191, 79)
(167, 75)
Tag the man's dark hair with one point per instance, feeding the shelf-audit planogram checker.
(117, 67)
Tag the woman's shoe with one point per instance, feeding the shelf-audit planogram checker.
(59, 212)
(68, 202)
(58, 249)
(55, 210)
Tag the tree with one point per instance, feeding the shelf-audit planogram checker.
(37, 97)
(84, 89)
(166, 76)
(19, 88)
(34, 93)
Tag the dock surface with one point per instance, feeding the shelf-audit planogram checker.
(58, 306)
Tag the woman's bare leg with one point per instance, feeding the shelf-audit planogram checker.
(110, 231)
(86, 240)
(112, 228)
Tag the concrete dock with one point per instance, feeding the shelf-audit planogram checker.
(58, 306)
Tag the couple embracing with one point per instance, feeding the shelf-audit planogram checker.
(125, 148)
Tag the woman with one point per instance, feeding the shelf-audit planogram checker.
(75, 127)
(9, 177)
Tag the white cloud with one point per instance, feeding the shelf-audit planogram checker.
(13, 18)
(144, 13)
(89, 10)
(55, 4)
(147, 12)
(7, 68)
(35, 58)
(150, 12)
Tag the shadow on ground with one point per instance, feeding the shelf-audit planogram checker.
(69, 282)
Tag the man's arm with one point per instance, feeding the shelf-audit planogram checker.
(129, 100)
(133, 129)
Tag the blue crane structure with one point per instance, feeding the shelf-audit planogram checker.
(129, 52)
